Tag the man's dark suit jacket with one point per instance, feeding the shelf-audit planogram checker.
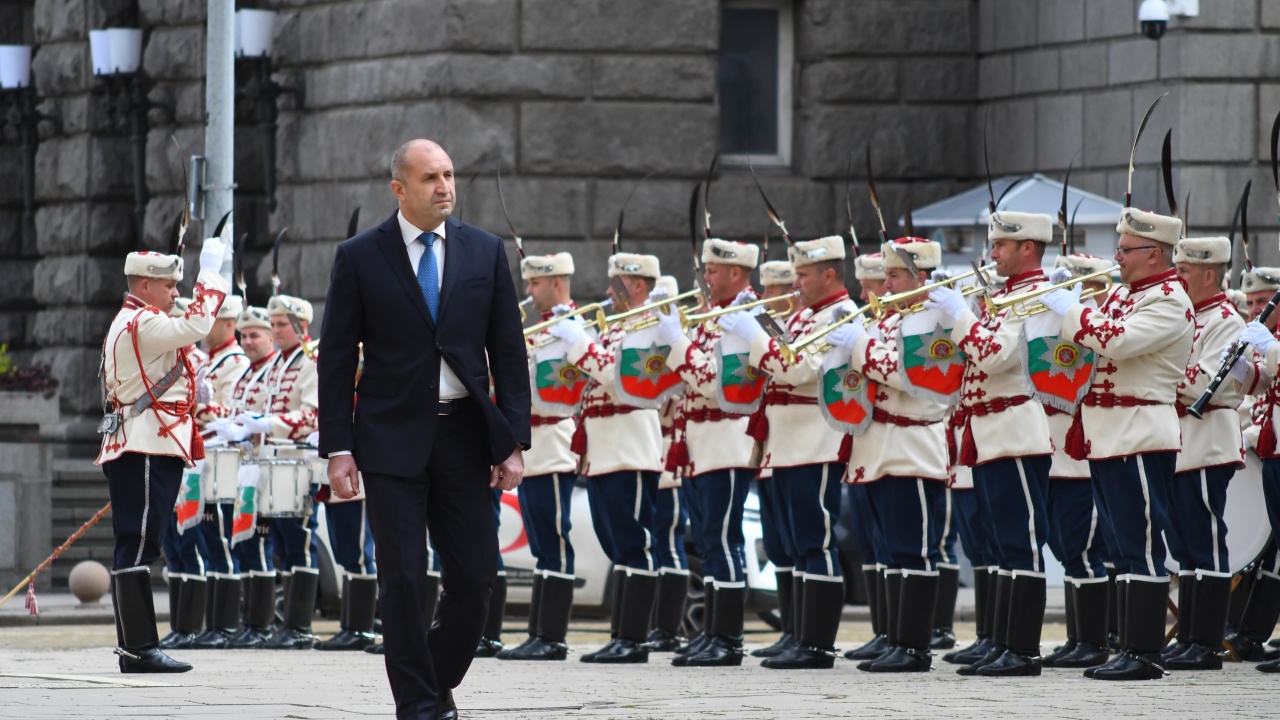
(374, 298)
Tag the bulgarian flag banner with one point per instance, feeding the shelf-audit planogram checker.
(644, 380)
(847, 397)
(740, 386)
(557, 384)
(246, 513)
(1058, 371)
(932, 365)
(190, 505)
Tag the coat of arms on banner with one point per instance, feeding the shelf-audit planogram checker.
(740, 387)
(558, 385)
(1058, 371)
(644, 379)
(847, 396)
(932, 365)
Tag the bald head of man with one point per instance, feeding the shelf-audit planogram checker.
(422, 181)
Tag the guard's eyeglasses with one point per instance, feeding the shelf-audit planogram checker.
(1126, 250)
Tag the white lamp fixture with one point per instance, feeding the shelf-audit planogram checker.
(15, 66)
(255, 31)
(115, 51)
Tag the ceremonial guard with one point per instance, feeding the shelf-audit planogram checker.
(869, 271)
(550, 466)
(902, 457)
(804, 454)
(620, 446)
(148, 432)
(1075, 527)
(1004, 437)
(712, 452)
(1212, 451)
(1127, 425)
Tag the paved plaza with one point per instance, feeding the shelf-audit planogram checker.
(67, 671)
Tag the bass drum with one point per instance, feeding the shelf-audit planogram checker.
(1248, 529)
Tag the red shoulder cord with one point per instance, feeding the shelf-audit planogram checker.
(180, 409)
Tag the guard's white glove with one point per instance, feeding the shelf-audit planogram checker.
(744, 297)
(314, 439)
(669, 330)
(949, 301)
(939, 275)
(846, 336)
(1239, 371)
(570, 330)
(211, 254)
(1059, 275)
(1257, 335)
(741, 324)
(1060, 301)
(254, 423)
(657, 296)
(561, 309)
(231, 432)
(204, 389)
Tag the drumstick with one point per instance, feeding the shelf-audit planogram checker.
(30, 580)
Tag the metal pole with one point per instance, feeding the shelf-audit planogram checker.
(219, 135)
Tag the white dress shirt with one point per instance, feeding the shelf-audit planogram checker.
(451, 388)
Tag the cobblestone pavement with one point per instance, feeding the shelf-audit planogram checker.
(68, 672)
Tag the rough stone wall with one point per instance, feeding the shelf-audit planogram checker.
(1066, 76)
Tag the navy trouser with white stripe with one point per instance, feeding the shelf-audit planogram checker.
(775, 528)
(906, 510)
(622, 509)
(1196, 533)
(545, 506)
(1271, 496)
(720, 497)
(1075, 529)
(1012, 493)
(866, 530)
(975, 535)
(183, 552)
(257, 554)
(948, 532)
(1132, 492)
(215, 534)
(143, 490)
(668, 530)
(812, 497)
(295, 540)
(350, 537)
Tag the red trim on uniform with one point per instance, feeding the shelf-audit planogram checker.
(1210, 302)
(1154, 280)
(1077, 447)
(827, 302)
(1025, 278)
(223, 346)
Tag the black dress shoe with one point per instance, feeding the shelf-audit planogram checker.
(1012, 664)
(784, 643)
(536, 649)
(875, 648)
(1084, 655)
(1059, 653)
(660, 640)
(802, 657)
(291, 639)
(149, 660)
(1196, 657)
(250, 638)
(1271, 666)
(505, 653)
(623, 652)
(1271, 655)
(972, 668)
(1247, 649)
(1115, 660)
(592, 656)
(176, 641)
(901, 660)
(489, 647)
(943, 639)
(445, 708)
(376, 649)
(720, 652)
(1132, 666)
(971, 654)
(347, 640)
(212, 639)
(1174, 651)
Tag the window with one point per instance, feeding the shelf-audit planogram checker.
(754, 81)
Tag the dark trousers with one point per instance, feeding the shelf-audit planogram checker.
(622, 508)
(1271, 496)
(866, 531)
(496, 496)
(215, 533)
(721, 496)
(1195, 532)
(975, 536)
(183, 552)
(669, 528)
(1075, 529)
(774, 526)
(295, 541)
(350, 537)
(693, 511)
(948, 533)
(257, 554)
(906, 510)
(812, 497)
(143, 490)
(1132, 492)
(452, 498)
(545, 506)
(1012, 493)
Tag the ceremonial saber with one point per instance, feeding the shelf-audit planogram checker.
(30, 580)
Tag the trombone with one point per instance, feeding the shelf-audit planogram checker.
(790, 351)
(880, 305)
(647, 322)
(995, 305)
(692, 320)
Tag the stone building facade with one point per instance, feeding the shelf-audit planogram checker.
(577, 100)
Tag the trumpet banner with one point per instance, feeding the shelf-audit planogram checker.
(1058, 371)
(558, 385)
(932, 367)
(847, 397)
(644, 378)
(190, 506)
(740, 387)
(245, 517)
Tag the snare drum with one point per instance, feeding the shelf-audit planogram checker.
(220, 476)
(1248, 529)
(285, 487)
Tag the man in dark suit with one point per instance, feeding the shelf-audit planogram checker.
(433, 303)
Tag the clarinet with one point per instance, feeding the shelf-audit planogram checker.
(1233, 355)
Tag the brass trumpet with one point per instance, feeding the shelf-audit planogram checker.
(524, 316)
(598, 321)
(880, 305)
(790, 351)
(995, 305)
(647, 322)
(691, 320)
